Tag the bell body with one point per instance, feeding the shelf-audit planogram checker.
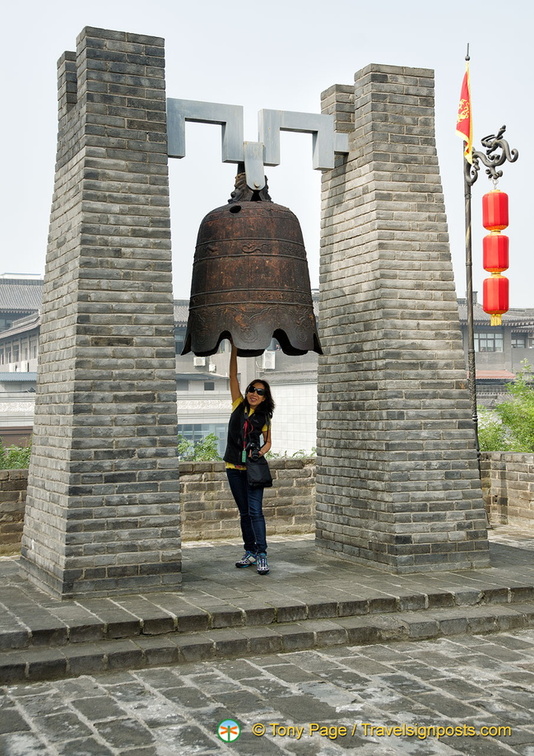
(251, 282)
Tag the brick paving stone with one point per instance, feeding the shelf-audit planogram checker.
(43, 704)
(64, 725)
(457, 687)
(125, 655)
(161, 678)
(118, 622)
(358, 663)
(169, 710)
(98, 708)
(480, 748)
(158, 650)
(85, 660)
(11, 720)
(23, 744)
(173, 710)
(124, 733)
(84, 747)
(289, 672)
(190, 697)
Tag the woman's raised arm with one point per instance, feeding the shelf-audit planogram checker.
(235, 391)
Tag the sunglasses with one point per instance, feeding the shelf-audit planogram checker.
(258, 391)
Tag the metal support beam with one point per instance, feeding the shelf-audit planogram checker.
(230, 117)
(266, 151)
(272, 122)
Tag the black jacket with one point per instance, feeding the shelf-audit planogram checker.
(235, 441)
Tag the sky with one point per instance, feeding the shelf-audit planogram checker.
(280, 54)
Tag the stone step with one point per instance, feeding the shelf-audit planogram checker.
(71, 659)
(31, 625)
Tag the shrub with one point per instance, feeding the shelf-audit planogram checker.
(206, 450)
(510, 425)
(14, 457)
(491, 431)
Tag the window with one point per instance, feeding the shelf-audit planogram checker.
(179, 339)
(182, 385)
(196, 432)
(209, 386)
(488, 341)
(519, 341)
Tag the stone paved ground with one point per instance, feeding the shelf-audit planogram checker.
(465, 681)
(462, 681)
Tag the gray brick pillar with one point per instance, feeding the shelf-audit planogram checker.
(397, 478)
(102, 511)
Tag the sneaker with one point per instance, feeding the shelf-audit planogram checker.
(246, 560)
(262, 565)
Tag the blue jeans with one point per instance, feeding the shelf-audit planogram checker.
(249, 502)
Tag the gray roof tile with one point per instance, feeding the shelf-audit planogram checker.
(17, 295)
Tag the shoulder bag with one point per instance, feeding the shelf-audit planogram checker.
(258, 473)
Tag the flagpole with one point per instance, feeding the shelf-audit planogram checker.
(471, 363)
(497, 153)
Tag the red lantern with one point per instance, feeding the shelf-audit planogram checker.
(495, 252)
(495, 210)
(495, 297)
(495, 255)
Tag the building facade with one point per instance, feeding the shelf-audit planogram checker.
(202, 386)
(500, 351)
(20, 299)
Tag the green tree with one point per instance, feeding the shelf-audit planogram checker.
(14, 457)
(203, 451)
(510, 425)
(491, 431)
(186, 449)
(207, 450)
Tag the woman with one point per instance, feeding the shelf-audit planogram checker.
(249, 429)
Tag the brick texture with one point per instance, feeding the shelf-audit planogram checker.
(397, 477)
(208, 509)
(209, 512)
(508, 484)
(13, 484)
(102, 510)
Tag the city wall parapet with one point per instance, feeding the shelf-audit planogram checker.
(209, 513)
(208, 509)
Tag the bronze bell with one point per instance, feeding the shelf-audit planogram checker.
(250, 279)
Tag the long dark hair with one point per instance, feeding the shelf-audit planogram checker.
(267, 406)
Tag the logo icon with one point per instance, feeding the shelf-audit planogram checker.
(228, 730)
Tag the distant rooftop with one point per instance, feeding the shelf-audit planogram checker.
(20, 293)
(181, 311)
(494, 375)
(523, 318)
(17, 377)
(23, 276)
(22, 325)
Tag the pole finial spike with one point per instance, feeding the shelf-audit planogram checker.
(467, 53)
